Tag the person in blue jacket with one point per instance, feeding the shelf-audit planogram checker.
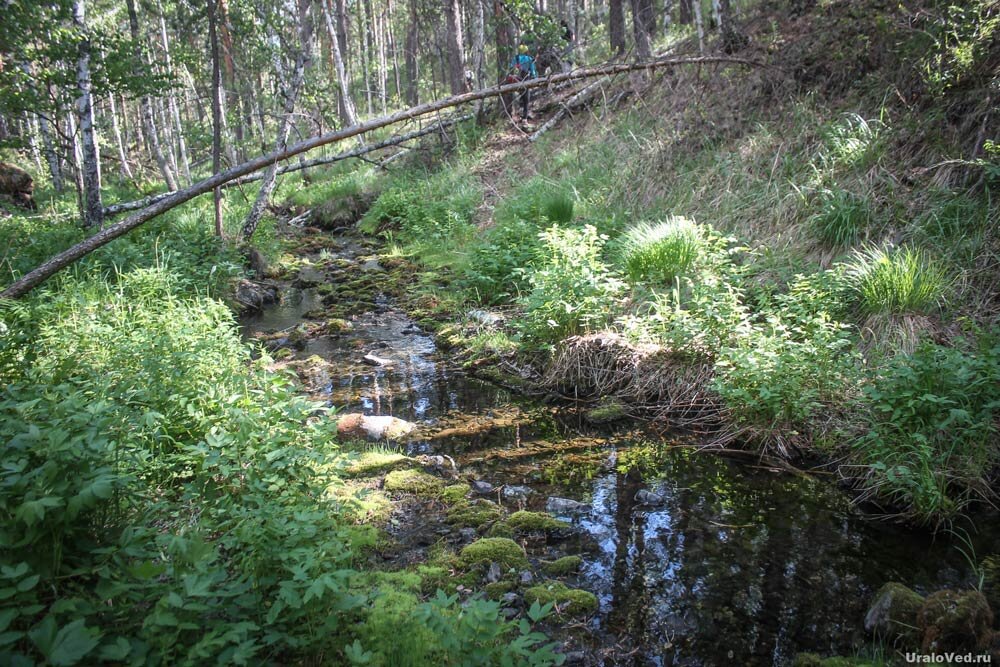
(522, 69)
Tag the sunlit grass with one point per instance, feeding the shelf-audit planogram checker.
(896, 281)
(660, 252)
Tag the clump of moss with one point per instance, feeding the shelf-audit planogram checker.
(413, 481)
(991, 581)
(338, 325)
(474, 514)
(563, 566)
(608, 411)
(283, 353)
(529, 522)
(571, 601)
(498, 589)
(367, 464)
(455, 493)
(505, 552)
(955, 621)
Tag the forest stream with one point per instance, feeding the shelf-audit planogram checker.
(718, 563)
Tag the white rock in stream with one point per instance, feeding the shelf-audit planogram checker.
(374, 427)
(557, 505)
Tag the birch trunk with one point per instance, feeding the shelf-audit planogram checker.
(292, 91)
(349, 115)
(146, 105)
(93, 210)
(126, 172)
(699, 24)
(410, 56)
(479, 42)
(55, 171)
(213, 43)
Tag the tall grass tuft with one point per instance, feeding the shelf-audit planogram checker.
(660, 252)
(896, 281)
(557, 208)
(842, 218)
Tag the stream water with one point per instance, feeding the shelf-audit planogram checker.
(736, 565)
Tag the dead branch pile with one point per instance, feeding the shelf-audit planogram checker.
(654, 381)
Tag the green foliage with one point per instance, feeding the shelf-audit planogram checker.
(572, 290)
(896, 281)
(932, 426)
(853, 142)
(664, 251)
(961, 39)
(491, 266)
(786, 371)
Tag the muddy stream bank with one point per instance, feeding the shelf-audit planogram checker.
(693, 559)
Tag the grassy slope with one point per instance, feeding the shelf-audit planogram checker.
(852, 309)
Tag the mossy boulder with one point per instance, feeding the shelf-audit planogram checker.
(505, 552)
(338, 325)
(530, 522)
(893, 615)
(563, 566)
(955, 621)
(413, 481)
(991, 581)
(498, 589)
(609, 410)
(474, 514)
(367, 464)
(572, 601)
(455, 493)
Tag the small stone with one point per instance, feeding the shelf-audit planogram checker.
(482, 488)
(509, 598)
(373, 360)
(373, 427)
(493, 574)
(644, 497)
(467, 534)
(485, 317)
(511, 492)
(557, 505)
(526, 577)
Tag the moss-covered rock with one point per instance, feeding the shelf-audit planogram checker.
(338, 325)
(955, 621)
(283, 353)
(571, 601)
(536, 522)
(413, 481)
(474, 514)
(893, 615)
(367, 464)
(991, 581)
(498, 589)
(455, 493)
(563, 566)
(505, 552)
(609, 410)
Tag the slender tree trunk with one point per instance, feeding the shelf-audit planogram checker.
(172, 101)
(31, 130)
(479, 42)
(168, 134)
(55, 171)
(382, 68)
(224, 33)
(410, 56)
(505, 42)
(364, 30)
(641, 18)
(76, 161)
(616, 28)
(699, 24)
(348, 115)
(685, 12)
(285, 124)
(456, 48)
(213, 42)
(149, 126)
(126, 171)
(394, 49)
(93, 212)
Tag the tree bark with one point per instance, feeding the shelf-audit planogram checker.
(348, 114)
(213, 42)
(479, 42)
(643, 50)
(294, 87)
(126, 171)
(149, 126)
(455, 46)
(616, 27)
(699, 25)
(410, 57)
(685, 12)
(93, 210)
(172, 101)
(47, 269)
(55, 170)
(505, 42)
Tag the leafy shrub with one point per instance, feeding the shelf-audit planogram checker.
(932, 426)
(842, 218)
(895, 281)
(572, 290)
(491, 269)
(661, 252)
(785, 371)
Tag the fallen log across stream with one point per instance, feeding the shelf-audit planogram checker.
(53, 265)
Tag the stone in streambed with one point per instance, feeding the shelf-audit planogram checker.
(372, 360)
(572, 601)
(893, 614)
(650, 499)
(413, 481)
(482, 488)
(373, 427)
(557, 505)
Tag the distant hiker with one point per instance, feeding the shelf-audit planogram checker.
(523, 68)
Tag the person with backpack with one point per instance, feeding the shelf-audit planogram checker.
(522, 69)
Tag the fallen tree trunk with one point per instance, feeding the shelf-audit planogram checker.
(577, 100)
(43, 272)
(123, 207)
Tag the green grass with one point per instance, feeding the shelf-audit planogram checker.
(661, 252)
(842, 219)
(903, 280)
